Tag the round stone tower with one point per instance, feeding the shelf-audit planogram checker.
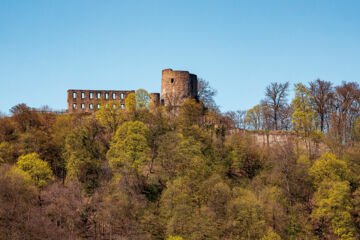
(176, 86)
(154, 99)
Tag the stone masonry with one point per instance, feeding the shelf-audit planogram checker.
(87, 101)
(175, 87)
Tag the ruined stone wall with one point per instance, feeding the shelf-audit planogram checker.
(154, 99)
(87, 101)
(176, 86)
(262, 139)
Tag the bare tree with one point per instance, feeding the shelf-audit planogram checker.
(206, 94)
(275, 98)
(238, 117)
(321, 97)
(346, 109)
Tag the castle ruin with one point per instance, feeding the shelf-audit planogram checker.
(175, 87)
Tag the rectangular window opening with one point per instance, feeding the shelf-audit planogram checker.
(122, 96)
(91, 106)
(74, 105)
(98, 106)
(74, 95)
(114, 95)
(106, 95)
(98, 95)
(82, 95)
(122, 106)
(91, 95)
(82, 106)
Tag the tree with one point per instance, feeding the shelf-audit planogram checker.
(329, 168)
(38, 169)
(332, 211)
(238, 117)
(17, 195)
(346, 109)
(206, 94)
(174, 238)
(129, 147)
(177, 207)
(303, 115)
(111, 115)
(356, 130)
(24, 117)
(253, 118)
(191, 113)
(275, 97)
(271, 235)
(245, 219)
(130, 103)
(83, 153)
(321, 93)
(142, 99)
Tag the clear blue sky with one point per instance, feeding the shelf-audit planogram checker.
(47, 47)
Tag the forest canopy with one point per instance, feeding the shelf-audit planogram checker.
(144, 172)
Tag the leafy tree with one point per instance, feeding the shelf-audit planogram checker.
(38, 169)
(174, 238)
(303, 116)
(129, 147)
(83, 154)
(7, 152)
(111, 115)
(17, 195)
(142, 99)
(328, 168)
(179, 156)
(271, 235)
(177, 207)
(191, 113)
(253, 118)
(332, 211)
(244, 157)
(245, 219)
(130, 103)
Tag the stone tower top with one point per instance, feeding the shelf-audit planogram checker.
(176, 86)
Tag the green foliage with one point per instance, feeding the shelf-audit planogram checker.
(142, 99)
(174, 238)
(6, 152)
(245, 218)
(190, 113)
(356, 130)
(111, 115)
(333, 206)
(130, 103)
(253, 117)
(129, 147)
(180, 156)
(140, 173)
(38, 170)
(303, 115)
(244, 157)
(83, 153)
(177, 207)
(328, 168)
(271, 235)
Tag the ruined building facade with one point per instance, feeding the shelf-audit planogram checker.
(175, 87)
